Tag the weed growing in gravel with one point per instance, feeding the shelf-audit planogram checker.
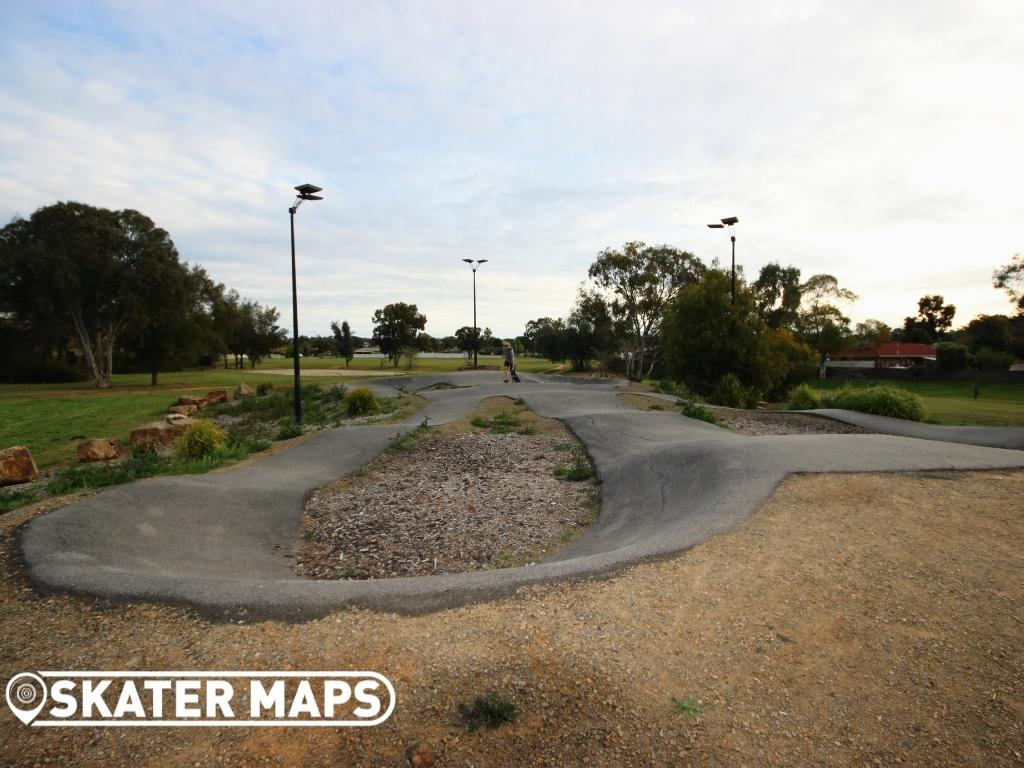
(519, 401)
(688, 706)
(578, 468)
(528, 430)
(407, 441)
(563, 446)
(13, 499)
(288, 431)
(655, 407)
(501, 424)
(693, 409)
(492, 711)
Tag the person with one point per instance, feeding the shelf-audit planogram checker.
(510, 360)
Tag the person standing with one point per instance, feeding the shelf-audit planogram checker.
(510, 360)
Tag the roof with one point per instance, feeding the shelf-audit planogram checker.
(893, 349)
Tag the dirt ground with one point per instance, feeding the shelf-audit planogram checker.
(854, 620)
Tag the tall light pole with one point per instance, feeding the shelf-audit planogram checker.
(728, 222)
(476, 333)
(306, 192)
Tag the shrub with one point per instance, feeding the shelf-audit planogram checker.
(804, 398)
(882, 400)
(578, 468)
(264, 388)
(360, 401)
(288, 431)
(731, 393)
(988, 359)
(951, 357)
(491, 710)
(693, 409)
(201, 439)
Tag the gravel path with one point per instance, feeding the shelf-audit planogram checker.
(455, 502)
(781, 423)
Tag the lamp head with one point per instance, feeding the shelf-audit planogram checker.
(730, 220)
(716, 226)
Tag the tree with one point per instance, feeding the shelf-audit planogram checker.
(546, 338)
(821, 324)
(343, 340)
(1010, 277)
(988, 331)
(777, 293)
(87, 270)
(644, 280)
(259, 333)
(395, 327)
(934, 317)
(873, 333)
(587, 334)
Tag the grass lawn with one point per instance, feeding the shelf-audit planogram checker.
(953, 403)
(51, 419)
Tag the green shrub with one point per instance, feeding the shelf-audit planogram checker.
(264, 388)
(501, 424)
(201, 439)
(288, 431)
(988, 359)
(731, 393)
(491, 710)
(804, 398)
(881, 400)
(951, 357)
(577, 470)
(695, 410)
(360, 401)
(13, 499)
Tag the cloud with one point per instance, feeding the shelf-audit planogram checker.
(879, 147)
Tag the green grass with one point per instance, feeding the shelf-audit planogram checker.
(578, 469)
(501, 424)
(488, 711)
(687, 706)
(953, 403)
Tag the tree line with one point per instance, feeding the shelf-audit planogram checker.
(101, 288)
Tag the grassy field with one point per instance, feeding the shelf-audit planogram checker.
(953, 402)
(51, 419)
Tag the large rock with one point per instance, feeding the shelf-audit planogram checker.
(160, 434)
(198, 402)
(102, 449)
(217, 396)
(243, 391)
(17, 466)
(184, 410)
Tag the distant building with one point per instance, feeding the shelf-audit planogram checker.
(893, 354)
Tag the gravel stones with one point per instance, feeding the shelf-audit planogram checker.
(454, 502)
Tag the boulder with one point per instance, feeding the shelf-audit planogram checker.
(419, 755)
(198, 402)
(102, 449)
(243, 390)
(160, 434)
(174, 418)
(17, 466)
(216, 396)
(184, 410)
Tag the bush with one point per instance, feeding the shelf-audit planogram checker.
(288, 431)
(201, 439)
(988, 359)
(951, 357)
(804, 398)
(882, 400)
(360, 401)
(693, 409)
(264, 388)
(731, 393)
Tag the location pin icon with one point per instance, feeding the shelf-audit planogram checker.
(26, 695)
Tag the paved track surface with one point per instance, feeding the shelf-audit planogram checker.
(218, 541)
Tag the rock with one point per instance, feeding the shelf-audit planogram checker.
(216, 396)
(198, 402)
(243, 390)
(184, 410)
(174, 418)
(102, 449)
(419, 755)
(160, 434)
(17, 466)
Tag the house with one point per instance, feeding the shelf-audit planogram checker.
(893, 354)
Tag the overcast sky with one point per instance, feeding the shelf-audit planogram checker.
(880, 142)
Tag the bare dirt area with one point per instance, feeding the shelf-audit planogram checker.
(462, 498)
(854, 620)
(756, 422)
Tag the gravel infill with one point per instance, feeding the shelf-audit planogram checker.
(781, 423)
(452, 503)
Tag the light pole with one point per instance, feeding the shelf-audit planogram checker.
(306, 192)
(728, 222)
(476, 334)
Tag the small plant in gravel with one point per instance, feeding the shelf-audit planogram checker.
(360, 401)
(695, 410)
(264, 388)
(407, 441)
(491, 711)
(288, 431)
(501, 424)
(13, 499)
(578, 468)
(655, 407)
(688, 706)
(201, 439)
(804, 398)
(528, 430)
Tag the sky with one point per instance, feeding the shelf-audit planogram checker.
(882, 143)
